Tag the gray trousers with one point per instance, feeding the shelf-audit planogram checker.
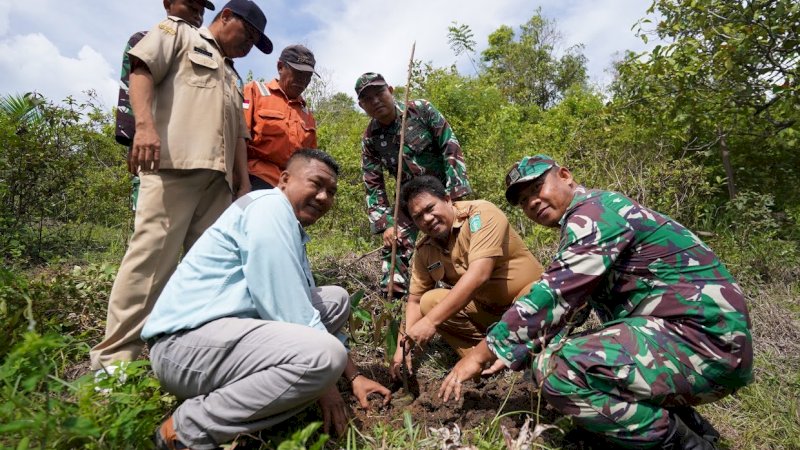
(240, 375)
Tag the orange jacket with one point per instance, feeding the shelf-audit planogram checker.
(278, 127)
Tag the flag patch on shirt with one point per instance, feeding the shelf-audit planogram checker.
(246, 104)
(475, 223)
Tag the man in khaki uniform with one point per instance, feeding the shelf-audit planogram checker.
(467, 270)
(190, 152)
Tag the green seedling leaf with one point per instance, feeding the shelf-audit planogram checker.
(362, 315)
(356, 298)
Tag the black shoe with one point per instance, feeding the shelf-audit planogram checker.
(681, 437)
(697, 423)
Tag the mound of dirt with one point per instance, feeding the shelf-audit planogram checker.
(507, 397)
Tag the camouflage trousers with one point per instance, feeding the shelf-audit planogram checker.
(406, 239)
(618, 382)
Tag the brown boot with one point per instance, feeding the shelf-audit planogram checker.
(166, 438)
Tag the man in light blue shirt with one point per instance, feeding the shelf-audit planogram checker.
(240, 333)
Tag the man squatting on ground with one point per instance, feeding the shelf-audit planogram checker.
(191, 11)
(182, 76)
(240, 333)
(675, 333)
(279, 121)
(430, 148)
(467, 270)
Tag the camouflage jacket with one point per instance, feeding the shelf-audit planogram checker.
(126, 126)
(625, 260)
(430, 148)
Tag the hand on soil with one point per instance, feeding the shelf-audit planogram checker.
(363, 386)
(397, 360)
(334, 411)
(466, 369)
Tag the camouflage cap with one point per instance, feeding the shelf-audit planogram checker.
(528, 169)
(369, 79)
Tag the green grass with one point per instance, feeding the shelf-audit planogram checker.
(764, 415)
(44, 403)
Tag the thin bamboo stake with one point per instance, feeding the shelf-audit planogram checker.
(390, 288)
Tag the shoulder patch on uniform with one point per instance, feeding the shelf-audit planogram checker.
(167, 29)
(262, 89)
(475, 223)
(434, 266)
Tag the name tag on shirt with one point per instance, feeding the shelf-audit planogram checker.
(203, 51)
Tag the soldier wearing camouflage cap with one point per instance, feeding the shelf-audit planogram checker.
(430, 148)
(675, 333)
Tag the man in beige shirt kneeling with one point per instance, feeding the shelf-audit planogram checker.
(467, 270)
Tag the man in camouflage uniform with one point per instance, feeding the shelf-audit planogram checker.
(126, 125)
(675, 331)
(430, 148)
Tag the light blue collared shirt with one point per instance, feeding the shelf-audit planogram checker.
(251, 263)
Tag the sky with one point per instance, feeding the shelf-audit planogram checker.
(61, 48)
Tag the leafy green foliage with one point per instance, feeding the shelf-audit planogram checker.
(376, 318)
(39, 407)
(299, 440)
(722, 87)
(527, 69)
(58, 166)
(714, 105)
(55, 301)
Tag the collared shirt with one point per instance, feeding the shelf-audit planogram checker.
(278, 127)
(480, 230)
(430, 148)
(251, 262)
(626, 260)
(197, 105)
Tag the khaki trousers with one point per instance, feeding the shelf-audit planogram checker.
(467, 327)
(173, 210)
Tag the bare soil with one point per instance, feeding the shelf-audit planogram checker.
(480, 404)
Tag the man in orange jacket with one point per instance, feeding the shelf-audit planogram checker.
(278, 118)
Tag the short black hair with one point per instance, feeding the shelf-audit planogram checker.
(421, 185)
(319, 155)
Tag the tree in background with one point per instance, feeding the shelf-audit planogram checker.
(527, 69)
(59, 170)
(724, 82)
